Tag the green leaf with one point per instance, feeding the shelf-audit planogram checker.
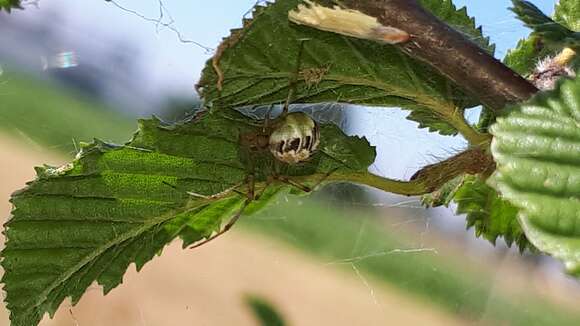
(491, 216)
(543, 26)
(8, 5)
(524, 57)
(260, 60)
(529, 51)
(568, 13)
(537, 150)
(115, 205)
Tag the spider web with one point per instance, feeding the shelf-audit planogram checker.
(401, 150)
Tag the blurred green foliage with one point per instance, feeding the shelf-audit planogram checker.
(264, 311)
(8, 5)
(177, 108)
(355, 237)
(56, 117)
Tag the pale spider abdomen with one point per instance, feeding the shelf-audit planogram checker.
(294, 138)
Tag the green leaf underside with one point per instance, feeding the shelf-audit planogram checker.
(537, 150)
(117, 205)
(261, 59)
(529, 51)
(489, 214)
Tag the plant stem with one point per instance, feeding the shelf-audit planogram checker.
(400, 187)
(430, 178)
(473, 137)
(408, 188)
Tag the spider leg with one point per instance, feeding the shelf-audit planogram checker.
(324, 177)
(217, 195)
(249, 198)
(267, 118)
(268, 183)
(293, 183)
(294, 79)
(251, 187)
(303, 187)
(227, 227)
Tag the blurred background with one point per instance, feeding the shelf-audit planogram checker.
(72, 71)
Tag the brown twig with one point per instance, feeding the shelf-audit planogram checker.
(474, 160)
(449, 51)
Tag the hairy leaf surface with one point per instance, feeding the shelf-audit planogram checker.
(114, 205)
(537, 150)
(260, 61)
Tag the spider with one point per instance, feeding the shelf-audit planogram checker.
(274, 151)
(278, 149)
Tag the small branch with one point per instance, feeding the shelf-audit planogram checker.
(400, 187)
(430, 178)
(456, 118)
(408, 188)
(448, 51)
(473, 137)
(474, 160)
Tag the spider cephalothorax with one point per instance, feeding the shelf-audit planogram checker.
(294, 138)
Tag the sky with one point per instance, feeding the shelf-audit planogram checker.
(177, 65)
(173, 66)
